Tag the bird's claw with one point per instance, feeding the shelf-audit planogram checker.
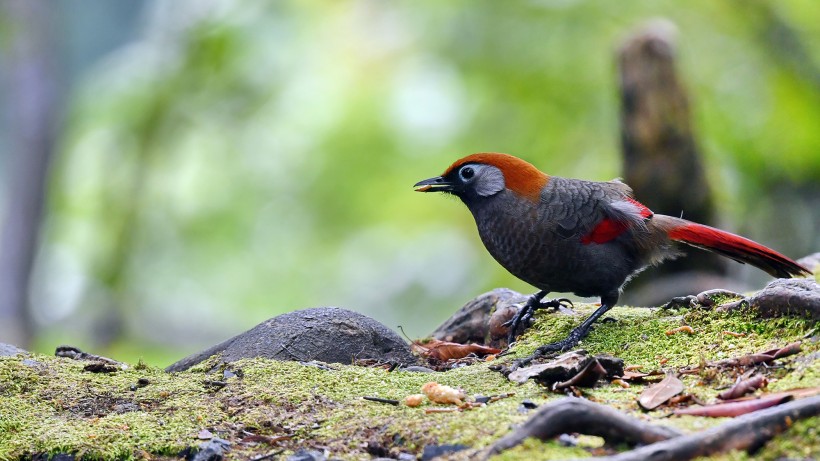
(681, 302)
(557, 303)
(547, 349)
(558, 346)
(527, 310)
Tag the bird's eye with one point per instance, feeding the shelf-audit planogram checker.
(467, 173)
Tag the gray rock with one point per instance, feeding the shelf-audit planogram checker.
(788, 297)
(7, 350)
(326, 334)
(800, 297)
(417, 369)
(307, 455)
(472, 323)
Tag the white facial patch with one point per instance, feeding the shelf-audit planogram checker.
(488, 180)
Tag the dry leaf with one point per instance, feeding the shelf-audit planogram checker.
(656, 395)
(797, 393)
(731, 409)
(587, 377)
(685, 328)
(761, 357)
(633, 375)
(744, 387)
(445, 350)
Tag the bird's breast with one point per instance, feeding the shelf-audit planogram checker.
(521, 242)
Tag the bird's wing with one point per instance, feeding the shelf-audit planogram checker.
(595, 212)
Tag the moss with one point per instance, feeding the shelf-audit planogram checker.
(51, 405)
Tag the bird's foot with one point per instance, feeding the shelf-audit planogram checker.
(681, 302)
(525, 313)
(563, 345)
(557, 304)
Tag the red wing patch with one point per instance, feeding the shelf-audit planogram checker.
(645, 212)
(609, 229)
(606, 230)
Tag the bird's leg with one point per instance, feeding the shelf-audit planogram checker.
(575, 336)
(525, 313)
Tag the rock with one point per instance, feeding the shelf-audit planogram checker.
(788, 297)
(417, 369)
(326, 334)
(431, 452)
(213, 450)
(7, 350)
(471, 323)
(307, 455)
(780, 297)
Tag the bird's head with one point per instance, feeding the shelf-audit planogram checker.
(478, 177)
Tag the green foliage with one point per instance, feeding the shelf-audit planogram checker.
(247, 159)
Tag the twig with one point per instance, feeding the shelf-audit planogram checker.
(266, 456)
(749, 432)
(381, 400)
(580, 415)
(75, 353)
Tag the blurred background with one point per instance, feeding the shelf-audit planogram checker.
(176, 171)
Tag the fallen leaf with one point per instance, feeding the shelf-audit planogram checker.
(587, 377)
(566, 366)
(685, 328)
(633, 375)
(744, 387)
(760, 357)
(561, 368)
(797, 393)
(731, 409)
(445, 350)
(656, 395)
(790, 349)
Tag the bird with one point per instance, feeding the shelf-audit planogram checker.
(577, 236)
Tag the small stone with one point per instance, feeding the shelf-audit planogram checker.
(307, 455)
(417, 369)
(526, 406)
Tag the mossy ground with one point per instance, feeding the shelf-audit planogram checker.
(50, 405)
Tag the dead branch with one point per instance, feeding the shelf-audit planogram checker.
(579, 415)
(661, 158)
(749, 432)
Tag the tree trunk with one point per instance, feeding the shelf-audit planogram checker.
(33, 100)
(661, 158)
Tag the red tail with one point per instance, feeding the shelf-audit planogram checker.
(738, 248)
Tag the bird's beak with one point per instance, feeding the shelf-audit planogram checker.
(437, 184)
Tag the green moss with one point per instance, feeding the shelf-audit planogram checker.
(53, 406)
